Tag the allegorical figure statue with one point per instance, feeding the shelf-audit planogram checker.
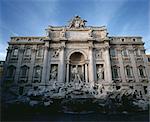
(77, 22)
(63, 33)
(90, 33)
(76, 74)
(54, 73)
(100, 72)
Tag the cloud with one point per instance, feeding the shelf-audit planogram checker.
(3, 51)
(106, 10)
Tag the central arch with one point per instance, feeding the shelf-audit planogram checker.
(77, 51)
(77, 67)
(77, 58)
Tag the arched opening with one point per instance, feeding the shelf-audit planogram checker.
(77, 58)
(77, 67)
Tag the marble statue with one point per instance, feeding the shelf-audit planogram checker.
(76, 75)
(100, 72)
(77, 22)
(90, 33)
(63, 33)
(54, 73)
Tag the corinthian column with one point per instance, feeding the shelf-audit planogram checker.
(108, 74)
(33, 54)
(91, 63)
(20, 55)
(86, 72)
(122, 70)
(44, 71)
(133, 62)
(67, 75)
(61, 72)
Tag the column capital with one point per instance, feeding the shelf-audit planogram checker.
(67, 61)
(46, 47)
(91, 46)
(106, 47)
(21, 49)
(106, 39)
(119, 49)
(86, 61)
(34, 49)
(131, 50)
(63, 45)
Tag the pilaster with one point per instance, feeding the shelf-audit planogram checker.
(44, 71)
(86, 72)
(146, 65)
(48, 66)
(31, 70)
(135, 69)
(107, 62)
(67, 75)
(108, 75)
(61, 71)
(122, 70)
(20, 55)
(91, 62)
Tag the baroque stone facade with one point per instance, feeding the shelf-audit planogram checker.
(76, 55)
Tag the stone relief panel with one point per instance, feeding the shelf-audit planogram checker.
(63, 33)
(98, 54)
(55, 53)
(96, 33)
(53, 34)
(78, 35)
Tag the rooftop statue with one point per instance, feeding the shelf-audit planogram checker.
(77, 22)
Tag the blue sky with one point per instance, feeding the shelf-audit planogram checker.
(31, 17)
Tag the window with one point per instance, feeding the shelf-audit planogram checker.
(129, 71)
(115, 72)
(148, 59)
(122, 40)
(125, 52)
(37, 72)
(134, 40)
(24, 71)
(112, 52)
(11, 71)
(17, 40)
(142, 71)
(15, 52)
